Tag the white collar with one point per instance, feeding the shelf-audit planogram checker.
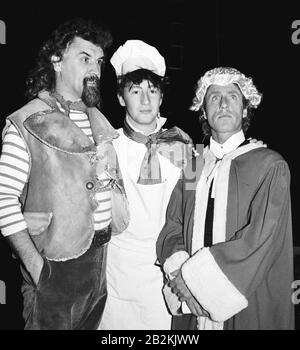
(160, 121)
(219, 150)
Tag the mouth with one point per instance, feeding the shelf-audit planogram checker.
(224, 115)
(91, 84)
(91, 81)
(145, 111)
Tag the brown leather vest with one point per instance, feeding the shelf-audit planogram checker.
(59, 198)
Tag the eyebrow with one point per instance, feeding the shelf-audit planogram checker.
(84, 53)
(219, 92)
(87, 54)
(133, 85)
(234, 92)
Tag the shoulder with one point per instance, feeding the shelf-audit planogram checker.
(106, 130)
(121, 137)
(260, 163)
(34, 106)
(262, 156)
(183, 134)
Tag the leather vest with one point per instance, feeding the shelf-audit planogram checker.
(58, 200)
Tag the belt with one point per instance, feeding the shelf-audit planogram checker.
(102, 236)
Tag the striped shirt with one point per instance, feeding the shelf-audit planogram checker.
(14, 173)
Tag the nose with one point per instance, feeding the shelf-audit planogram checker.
(95, 69)
(145, 100)
(223, 102)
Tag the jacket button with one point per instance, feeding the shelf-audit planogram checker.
(89, 185)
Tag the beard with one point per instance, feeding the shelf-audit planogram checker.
(91, 94)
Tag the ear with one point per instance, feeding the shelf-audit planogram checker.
(161, 99)
(121, 101)
(245, 113)
(56, 61)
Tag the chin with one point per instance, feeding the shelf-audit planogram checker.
(225, 126)
(147, 119)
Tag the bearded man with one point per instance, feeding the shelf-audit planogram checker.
(58, 173)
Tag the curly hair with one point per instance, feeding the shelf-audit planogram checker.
(42, 77)
(139, 75)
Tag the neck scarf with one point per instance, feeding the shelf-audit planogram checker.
(69, 105)
(150, 172)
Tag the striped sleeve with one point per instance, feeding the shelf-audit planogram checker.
(14, 168)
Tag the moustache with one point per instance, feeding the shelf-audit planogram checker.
(91, 79)
(224, 114)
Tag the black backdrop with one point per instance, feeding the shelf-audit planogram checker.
(194, 36)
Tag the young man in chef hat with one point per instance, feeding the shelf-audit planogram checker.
(151, 159)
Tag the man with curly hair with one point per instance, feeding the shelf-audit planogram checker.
(58, 176)
(227, 247)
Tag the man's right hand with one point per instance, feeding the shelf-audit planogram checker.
(28, 254)
(36, 270)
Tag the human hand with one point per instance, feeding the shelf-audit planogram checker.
(195, 308)
(36, 269)
(179, 288)
(258, 142)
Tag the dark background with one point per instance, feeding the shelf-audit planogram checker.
(193, 36)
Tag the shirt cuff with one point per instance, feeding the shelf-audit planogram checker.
(174, 262)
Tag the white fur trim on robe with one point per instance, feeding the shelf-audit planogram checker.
(211, 287)
(174, 262)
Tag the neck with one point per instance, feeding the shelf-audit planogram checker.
(66, 94)
(222, 137)
(147, 129)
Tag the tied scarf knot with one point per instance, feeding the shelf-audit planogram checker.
(150, 172)
(151, 141)
(69, 105)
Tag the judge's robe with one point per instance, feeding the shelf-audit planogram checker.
(245, 281)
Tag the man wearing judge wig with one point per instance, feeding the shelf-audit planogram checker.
(227, 247)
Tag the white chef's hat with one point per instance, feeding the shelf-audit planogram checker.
(135, 54)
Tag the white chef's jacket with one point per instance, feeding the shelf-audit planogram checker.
(135, 299)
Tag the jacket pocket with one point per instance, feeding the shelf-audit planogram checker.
(37, 222)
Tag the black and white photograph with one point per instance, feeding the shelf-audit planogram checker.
(148, 168)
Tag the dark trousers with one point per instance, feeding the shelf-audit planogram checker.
(69, 294)
(184, 322)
